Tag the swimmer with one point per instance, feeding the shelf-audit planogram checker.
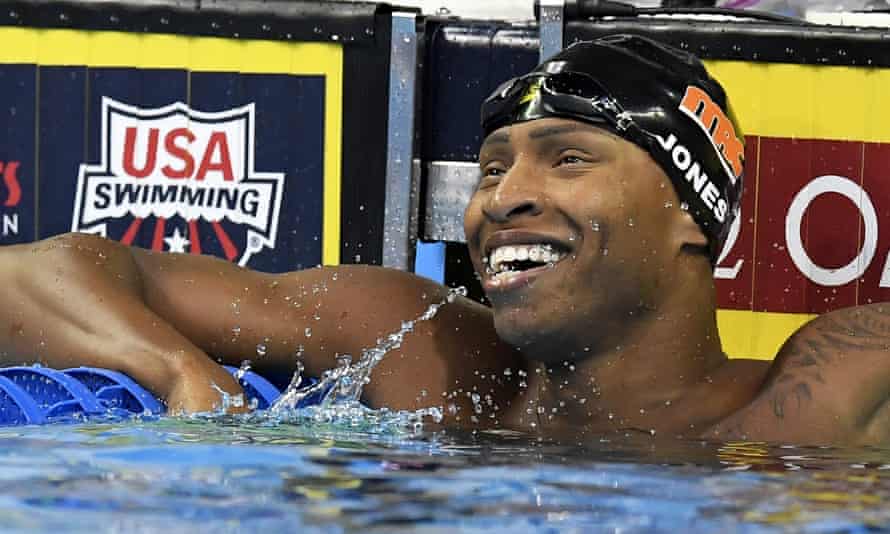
(610, 177)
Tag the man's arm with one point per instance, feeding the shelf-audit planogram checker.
(78, 300)
(317, 314)
(830, 383)
(82, 300)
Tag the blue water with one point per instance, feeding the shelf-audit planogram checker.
(226, 475)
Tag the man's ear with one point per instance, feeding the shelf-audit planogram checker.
(688, 234)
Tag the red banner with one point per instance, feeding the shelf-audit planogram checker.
(814, 231)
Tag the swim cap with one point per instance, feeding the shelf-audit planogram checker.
(655, 96)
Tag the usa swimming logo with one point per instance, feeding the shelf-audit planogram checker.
(183, 180)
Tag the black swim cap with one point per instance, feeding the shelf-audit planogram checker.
(655, 96)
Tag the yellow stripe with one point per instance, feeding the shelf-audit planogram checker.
(809, 102)
(204, 54)
(758, 335)
(332, 139)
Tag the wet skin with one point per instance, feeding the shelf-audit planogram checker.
(623, 326)
(619, 334)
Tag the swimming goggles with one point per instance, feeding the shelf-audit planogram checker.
(564, 94)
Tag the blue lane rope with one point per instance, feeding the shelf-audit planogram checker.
(39, 395)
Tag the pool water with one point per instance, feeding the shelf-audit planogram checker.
(224, 474)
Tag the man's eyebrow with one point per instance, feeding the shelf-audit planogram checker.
(547, 131)
(497, 138)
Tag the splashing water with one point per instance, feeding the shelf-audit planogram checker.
(341, 388)
(227, 402)
(245, 367)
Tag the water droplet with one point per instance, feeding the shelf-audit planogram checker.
(308, 332)
(260, 349)
(242, 370)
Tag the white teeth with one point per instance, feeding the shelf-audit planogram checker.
(538, 253)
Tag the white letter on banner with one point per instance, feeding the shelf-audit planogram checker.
(729, 273)
(860, 199)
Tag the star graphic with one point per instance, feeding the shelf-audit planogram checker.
(177, 243)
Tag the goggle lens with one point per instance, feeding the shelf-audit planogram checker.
(571, 92)
(574, 84)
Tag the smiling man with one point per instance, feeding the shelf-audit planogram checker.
(610, 177)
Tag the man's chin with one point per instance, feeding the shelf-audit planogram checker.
(523, 330)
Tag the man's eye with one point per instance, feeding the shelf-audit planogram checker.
(570, 160)
(491, 175)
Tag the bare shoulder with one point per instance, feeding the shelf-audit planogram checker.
(447, 361)
(829, 383)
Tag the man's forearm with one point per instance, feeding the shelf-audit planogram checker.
(78, 300)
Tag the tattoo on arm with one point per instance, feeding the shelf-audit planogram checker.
(837, 335)
(799, 394)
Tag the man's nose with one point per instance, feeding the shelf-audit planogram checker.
(518, 193)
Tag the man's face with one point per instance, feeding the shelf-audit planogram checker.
(570, 229)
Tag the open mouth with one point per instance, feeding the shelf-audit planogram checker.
(508, 260)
